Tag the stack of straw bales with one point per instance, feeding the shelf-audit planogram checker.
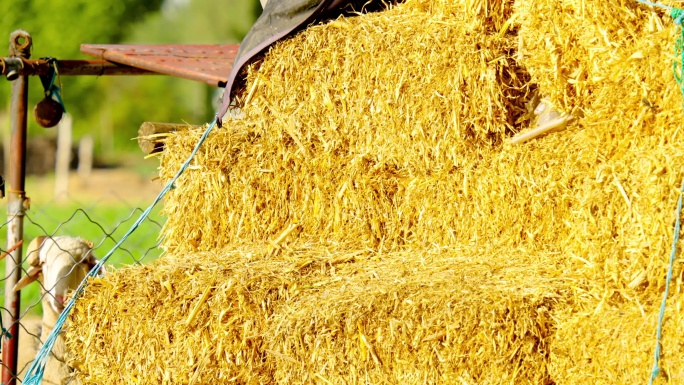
(367, 220)
(322, 316)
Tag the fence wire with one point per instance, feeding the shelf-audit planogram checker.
(102, 221)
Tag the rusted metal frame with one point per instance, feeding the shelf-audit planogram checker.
(204, 62)
(207, 63)
(20, 46)
(12, 67)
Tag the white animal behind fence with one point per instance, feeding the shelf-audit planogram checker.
(59, 264)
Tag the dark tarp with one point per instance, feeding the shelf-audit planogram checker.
(279, 19)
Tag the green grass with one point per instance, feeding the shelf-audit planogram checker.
(103, 223)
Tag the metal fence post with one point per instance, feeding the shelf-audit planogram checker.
(20, 46)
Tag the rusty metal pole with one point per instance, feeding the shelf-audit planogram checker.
(20, 46)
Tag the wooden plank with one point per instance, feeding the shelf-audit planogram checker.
(63, 158)
(151, 135)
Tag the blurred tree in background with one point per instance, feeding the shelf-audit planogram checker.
(112, 108)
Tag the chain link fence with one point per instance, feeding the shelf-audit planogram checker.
(101, 219)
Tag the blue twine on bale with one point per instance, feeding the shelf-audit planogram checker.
(661, 315)
(678, 16)
(35, 373)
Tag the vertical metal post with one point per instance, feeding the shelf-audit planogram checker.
(20, 46)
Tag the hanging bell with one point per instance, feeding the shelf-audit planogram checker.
(48, 112)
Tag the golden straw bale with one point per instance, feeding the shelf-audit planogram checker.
(615, 345)
(608, 61)
(339, 130)
(610, 64)
(321, 315)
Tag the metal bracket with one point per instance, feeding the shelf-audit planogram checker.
(11, 66)
(17, 207)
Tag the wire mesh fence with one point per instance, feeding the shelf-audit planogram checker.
(100, 221)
